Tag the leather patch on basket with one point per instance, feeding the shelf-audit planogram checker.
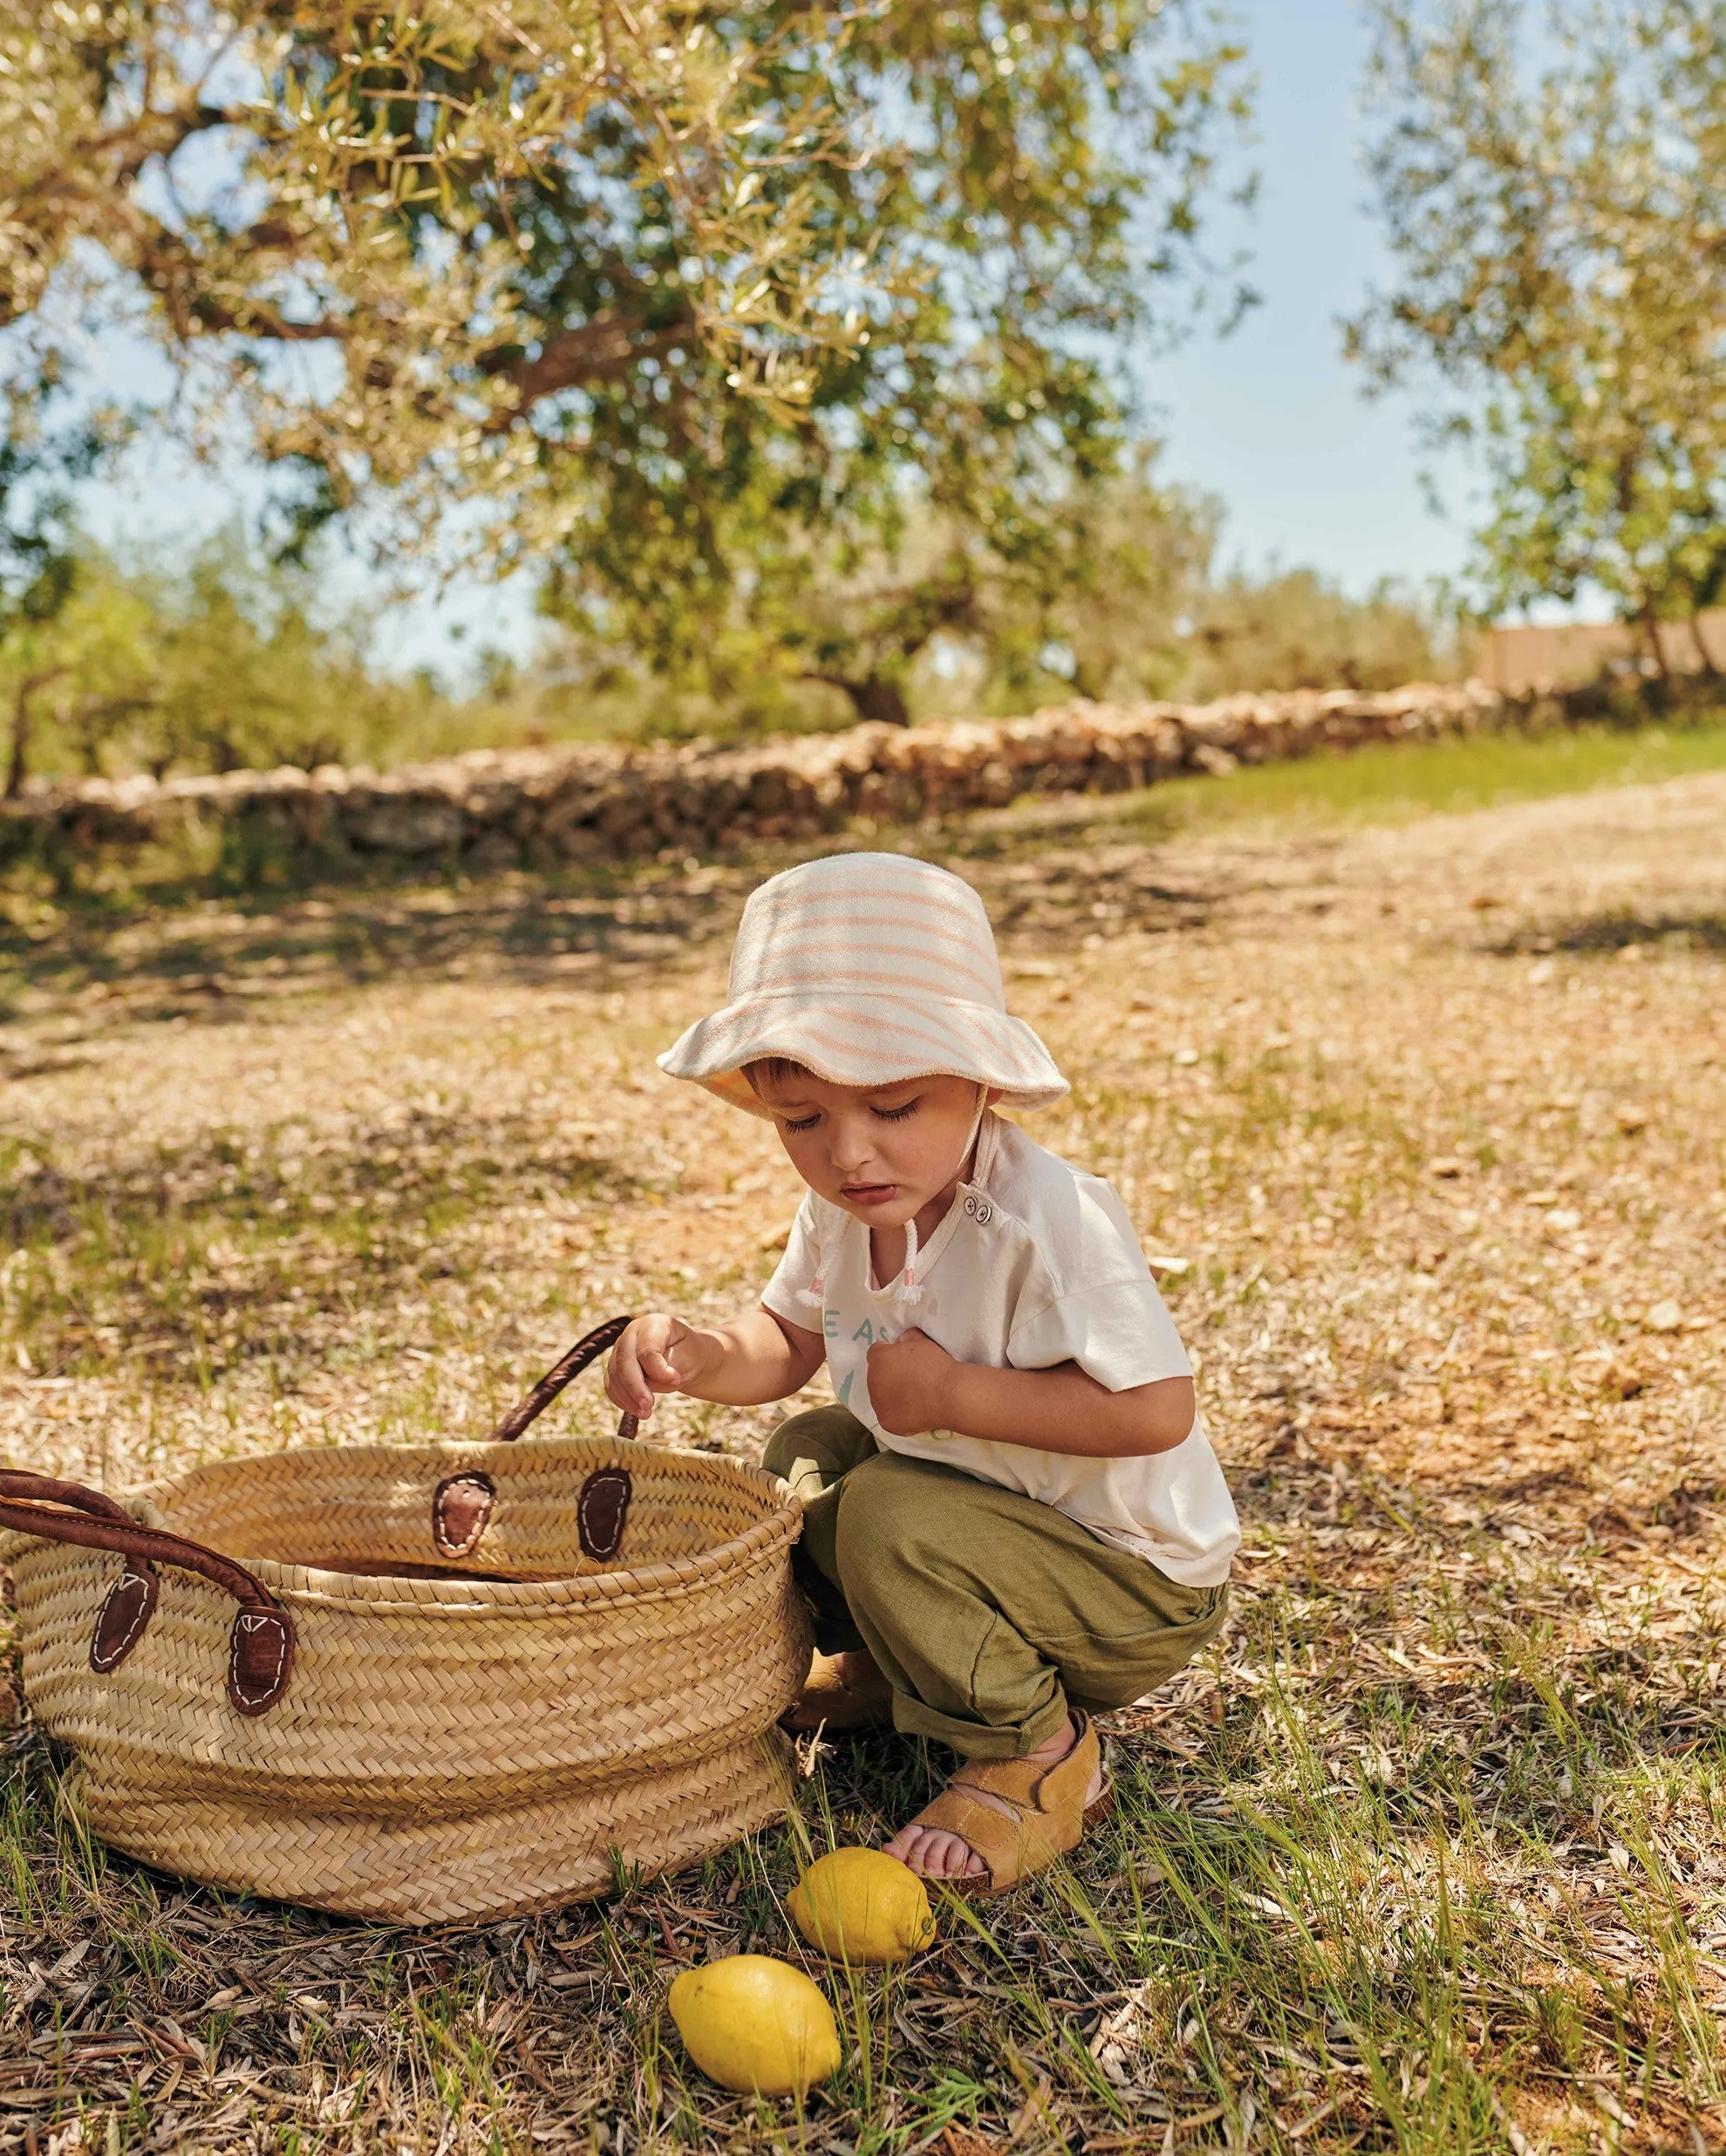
(461, 1509)
(601, 1511)
(126, 1608)
(260, 1659)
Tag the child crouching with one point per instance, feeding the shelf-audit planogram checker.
(1013, 1516)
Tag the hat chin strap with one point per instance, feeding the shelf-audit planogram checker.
(907, 1289)
(982, 1109)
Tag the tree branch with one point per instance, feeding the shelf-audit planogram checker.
(170, 269)
(599, 351)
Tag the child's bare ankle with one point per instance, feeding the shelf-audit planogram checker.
(1060, 1744)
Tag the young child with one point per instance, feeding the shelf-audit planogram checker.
(1013, 1514)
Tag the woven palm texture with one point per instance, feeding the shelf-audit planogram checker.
(454, 1741)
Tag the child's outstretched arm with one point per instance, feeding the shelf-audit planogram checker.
(753, 1359)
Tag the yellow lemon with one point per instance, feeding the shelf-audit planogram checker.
(860, 1904)
(750, 2021)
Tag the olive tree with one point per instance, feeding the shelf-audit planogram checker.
(693, 303)
(1554, 192)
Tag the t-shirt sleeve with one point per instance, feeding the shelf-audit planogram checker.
(796, 1271)
(1119, 1333)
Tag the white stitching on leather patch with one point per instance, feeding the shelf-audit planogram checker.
(129, 1638)
(247, 1621)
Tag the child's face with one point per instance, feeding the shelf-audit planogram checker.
(882, 1153)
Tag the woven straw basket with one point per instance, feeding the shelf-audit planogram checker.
(463, 1681)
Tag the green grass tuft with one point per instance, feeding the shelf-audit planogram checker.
(1390, 782)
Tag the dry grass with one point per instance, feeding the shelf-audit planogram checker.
(1427, 1128)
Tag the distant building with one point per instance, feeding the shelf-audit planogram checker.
(1516, 659)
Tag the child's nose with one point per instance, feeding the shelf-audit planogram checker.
(852, 1146)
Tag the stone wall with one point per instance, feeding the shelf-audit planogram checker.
(495, 809)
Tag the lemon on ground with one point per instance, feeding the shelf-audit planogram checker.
(861, 1904)
(751, 2023)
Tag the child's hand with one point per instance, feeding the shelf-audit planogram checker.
(657, 1354)
(910, 1384)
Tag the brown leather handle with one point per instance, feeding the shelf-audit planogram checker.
(19, 1482)
(588, 1349)
(262, 1642)
(461, 1504)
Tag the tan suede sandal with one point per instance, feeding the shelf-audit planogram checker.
(1047, 1814)
(831, 1700)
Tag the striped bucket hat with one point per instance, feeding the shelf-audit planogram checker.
(866, 969)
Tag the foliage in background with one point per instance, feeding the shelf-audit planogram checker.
(226, 664)
(1297, 630)
(947, 620)
(236, 662)
(42, 453)
(704, 306)
(1142, 608)
(1562, 271)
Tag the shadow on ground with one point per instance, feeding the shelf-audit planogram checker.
(224, 962)
(1607, 933)
(215, 963)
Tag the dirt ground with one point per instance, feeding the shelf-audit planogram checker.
(1425, 1129)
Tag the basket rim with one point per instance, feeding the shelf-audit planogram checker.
(671, 1577)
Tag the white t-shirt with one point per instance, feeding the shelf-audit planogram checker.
(1035, 1264)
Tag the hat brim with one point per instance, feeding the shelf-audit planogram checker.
(866, 1040)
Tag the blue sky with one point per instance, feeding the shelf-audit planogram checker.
(1272, 419)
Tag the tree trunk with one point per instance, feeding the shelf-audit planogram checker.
(17, 764)
(1650, 622)
(879, 699)
(873, 697)
(1711, 666)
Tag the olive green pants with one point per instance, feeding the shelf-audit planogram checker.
(987, 1611)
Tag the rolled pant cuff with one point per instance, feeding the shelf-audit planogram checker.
(977, 1740)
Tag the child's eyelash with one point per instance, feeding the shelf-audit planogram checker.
(897, 1114)
(803, 1123)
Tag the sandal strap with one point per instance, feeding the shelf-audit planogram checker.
(1016, 1782)
(1033, 1784)
(1046, 1815)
